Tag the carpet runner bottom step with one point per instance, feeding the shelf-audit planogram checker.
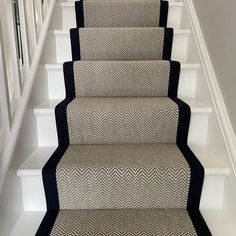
(132, 222)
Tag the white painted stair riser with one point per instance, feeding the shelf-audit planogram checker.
(58, 47)
(64, 16)
(56, 86)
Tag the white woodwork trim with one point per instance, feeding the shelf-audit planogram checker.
(4, 101)
(32, 22)
(9, 44)
(13, 49)
(217, 98)
(9, 147)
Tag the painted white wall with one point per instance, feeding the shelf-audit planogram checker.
(218, 20)
(0, 117)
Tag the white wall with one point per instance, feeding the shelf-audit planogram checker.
(0, 117)
(218, 22)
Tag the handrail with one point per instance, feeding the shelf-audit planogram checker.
(9, 147)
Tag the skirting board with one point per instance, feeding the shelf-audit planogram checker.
(218, 101)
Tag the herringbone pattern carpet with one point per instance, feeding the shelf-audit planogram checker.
(121, 44)
(121, 13)
(121, 78)
(122, 120)
(160, 222)
(123, 166)
(102, 176)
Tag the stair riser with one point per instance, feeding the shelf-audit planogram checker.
(64, 16)
(34, 196)
(56, 86)
(187, 82)
(58, 49)
(33, 193)
(47, 133)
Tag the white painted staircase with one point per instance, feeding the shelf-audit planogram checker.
(192, 89)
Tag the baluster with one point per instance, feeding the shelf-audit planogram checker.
(9, 44)
(24, 35)
(31, 27)
(45, 7)
(38, 15)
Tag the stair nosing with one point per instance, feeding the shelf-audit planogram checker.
(59, 66)
(205, 109)
(66, 32)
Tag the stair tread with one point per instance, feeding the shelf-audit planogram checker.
(141, 174)
(48, 106)
(58, 66)
(124, 222)
(174, 18)
(33, 165)
(61, 51)
(221, 222)
(120, 14)
(187, 80)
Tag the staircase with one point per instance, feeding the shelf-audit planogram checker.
(136, 120)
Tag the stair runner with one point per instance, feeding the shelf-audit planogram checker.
(122, 166)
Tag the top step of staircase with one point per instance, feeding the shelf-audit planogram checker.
(65, 10)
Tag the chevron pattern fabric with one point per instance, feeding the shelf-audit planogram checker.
(140, 13)
(121, 44)
(121, 78)
(123, 166)
(102, 176)
(159, 222)
(122, 120)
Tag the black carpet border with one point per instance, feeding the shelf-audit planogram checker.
(49, 170)
(167, 46)
(69, 80)
(75, 44)
(173, 79)
(164, 9)
(47, 223)
(196, 169)
(79, 13)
